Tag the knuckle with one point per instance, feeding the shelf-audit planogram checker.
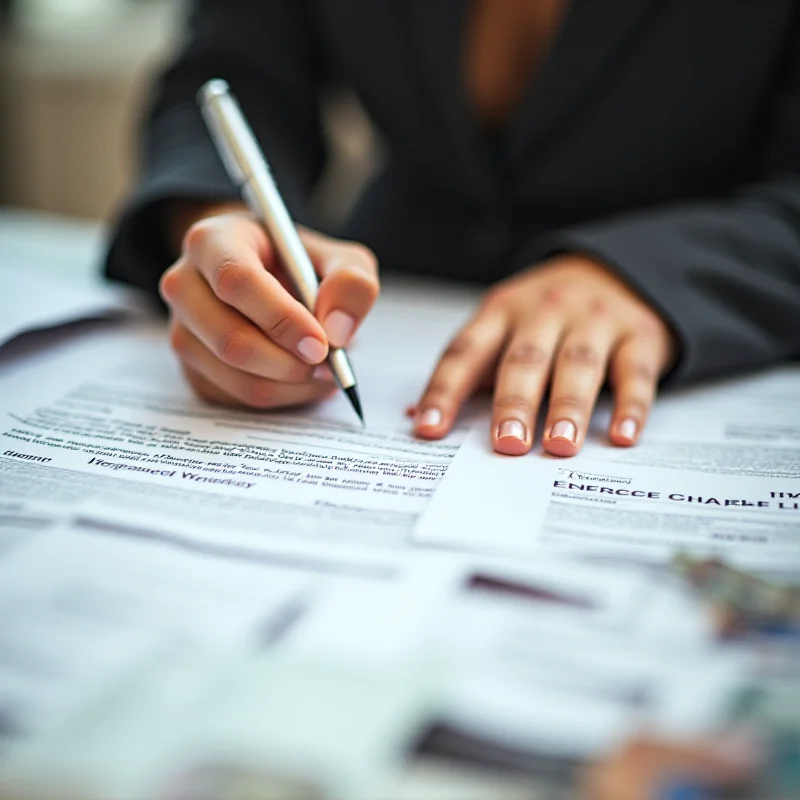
(598, 306)
(527, 354)
(569, 402)
(281, 325)
(637, 371)
(197, 235)
(514, 402)
(552, 297)
(634, 407)
(642, 371)
(169, 286)
(649, 326)
(230, 280)
(581, 355)
(497, 297)
(178, 339)
(459, 347)
(235, 348)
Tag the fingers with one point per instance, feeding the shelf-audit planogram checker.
(349, 285)
(241, 335)
(575, 363)
(521, 382)
(579, 372)
(230, 253)
(470, 355)
(634, 372)
(226, 334)
(221, 383)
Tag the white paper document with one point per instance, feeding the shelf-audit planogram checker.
(113, 422)
(717, 472)
(128, 439)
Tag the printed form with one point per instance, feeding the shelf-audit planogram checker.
(717, 472)
(112, 422)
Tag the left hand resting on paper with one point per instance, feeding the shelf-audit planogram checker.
(569, 323)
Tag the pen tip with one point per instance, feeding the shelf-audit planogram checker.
(352, 396)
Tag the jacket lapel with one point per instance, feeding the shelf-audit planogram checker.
(590, 42)
(437, 27)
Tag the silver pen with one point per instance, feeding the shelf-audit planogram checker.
(249, 170)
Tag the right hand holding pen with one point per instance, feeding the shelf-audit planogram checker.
(240, 334)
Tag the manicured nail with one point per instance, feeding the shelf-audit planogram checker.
(511, 429)
(430, 418)
(564, 429)
(322, 373)
(339, 328)
(627, 429)
(312, 350)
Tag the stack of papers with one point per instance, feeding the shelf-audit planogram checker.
(189, 591)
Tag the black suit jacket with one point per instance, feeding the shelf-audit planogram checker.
(662, 136)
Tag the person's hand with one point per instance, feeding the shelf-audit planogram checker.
(241, 336)
(569, 323)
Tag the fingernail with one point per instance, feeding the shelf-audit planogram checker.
(511, 429)
(322, 373)
(312, 350)
(339, 328)
(627, 429)
(564, 429)
(430, 417)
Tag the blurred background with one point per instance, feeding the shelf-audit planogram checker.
(74, 79)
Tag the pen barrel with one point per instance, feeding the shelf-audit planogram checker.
(262, 196)
(248, 167)
(340, 366)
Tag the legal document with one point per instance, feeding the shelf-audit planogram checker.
(113, 422)
(717, 471)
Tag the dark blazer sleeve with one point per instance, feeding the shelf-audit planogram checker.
(725, 274)
(265, 50)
